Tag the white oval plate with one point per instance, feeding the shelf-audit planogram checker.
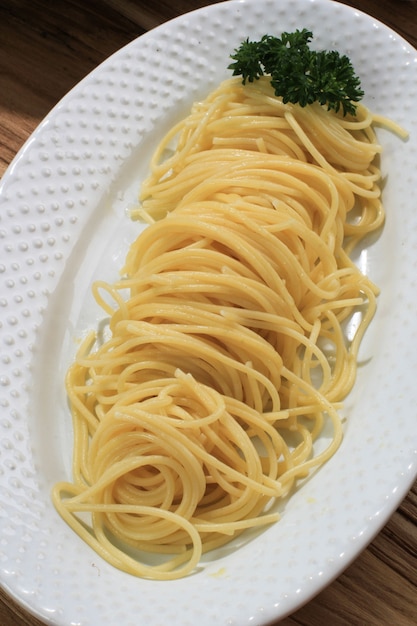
(64, 222)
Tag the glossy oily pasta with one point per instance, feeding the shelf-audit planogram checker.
(229, 348)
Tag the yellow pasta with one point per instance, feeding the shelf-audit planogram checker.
(227, 352)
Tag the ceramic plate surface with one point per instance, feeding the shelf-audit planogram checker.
(63, 223)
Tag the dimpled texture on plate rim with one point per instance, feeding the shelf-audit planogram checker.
(63, 222)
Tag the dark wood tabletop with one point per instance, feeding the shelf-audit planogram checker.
(48, 47)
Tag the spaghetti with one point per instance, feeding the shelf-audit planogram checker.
(227, 352)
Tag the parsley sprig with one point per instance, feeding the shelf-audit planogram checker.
(298, 74)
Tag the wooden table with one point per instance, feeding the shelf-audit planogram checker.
(45, 49)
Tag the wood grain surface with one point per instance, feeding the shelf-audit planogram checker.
(48, 47)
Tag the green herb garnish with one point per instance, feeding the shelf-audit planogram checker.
(298, 74)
